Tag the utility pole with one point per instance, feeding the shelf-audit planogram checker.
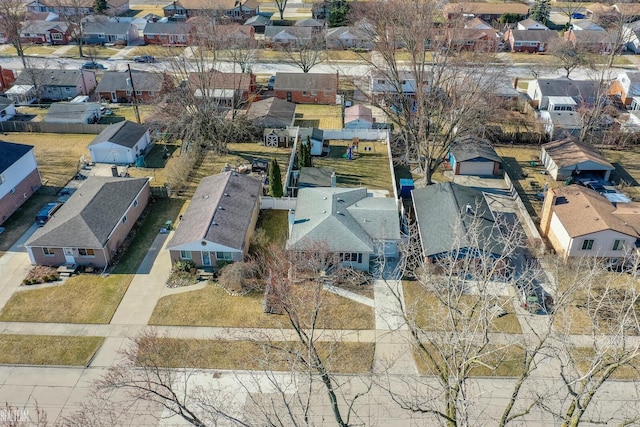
(135, 97)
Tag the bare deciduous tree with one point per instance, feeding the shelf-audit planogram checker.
(569, 56)
(73, 12)
(305, 55)
(13, 14)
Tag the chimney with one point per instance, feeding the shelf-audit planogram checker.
(333, 179)
(292, 219)
(515, 83)
(547, 211)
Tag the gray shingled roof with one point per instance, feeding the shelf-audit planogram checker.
(441, 212)
(124, 133)
(345, 219)
(544, 36)
(108, 27)
(315, 177)
(306, 81)
(117, 80)
(470, 147)
(274, 108)
(41, 27)
(302, 34)
(335, 33)
(10, 152)
(89, 216)
(220, 211)
(49, 77)
(5, 102)
(153, 28)
(565, 87)
(68, 110)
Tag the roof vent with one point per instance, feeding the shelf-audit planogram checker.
(214, 223)
(469, 209)
(227, 194)
(220, 208)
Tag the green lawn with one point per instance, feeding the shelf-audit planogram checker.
(347, 357)
(369, 169)
(212, 306)
(48, 350)
(90, 298)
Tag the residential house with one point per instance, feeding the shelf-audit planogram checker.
(219, 222)
(346, 221)
(73, 7)
(117, 86)
(384, 86)
(73, 112)
(631, 35)
(547, 93)
(317, 25)
(348, 38)
(579, 221)
(287, 36)
(530, 24)
(22, 94)
(444, 214)
(585, 24)
(627, 87)
(629, 11)
(594, 41)
(120, 33)
(167, 33)
(91, 226)
(46, 32)
(272, 113)
(55, 84)
(235, 34)
(600, 12)
(561, 124)
(227, 90)
(306, 88)
(530, 41)
(477, 24)
(471, 155)
(358, 117)
(473, 40)
(258, 22)
(7, 109)
(569, 158)
(235, 10)
(19, 177)
(120, 143)
(488, 12)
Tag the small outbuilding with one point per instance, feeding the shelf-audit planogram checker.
(120, 143)
(471, 155)
(73, 112)
(570, 157)
(358, 117)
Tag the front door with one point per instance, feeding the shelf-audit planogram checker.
(68, 256)
(206, 259)
(114, 97)
(289, 96)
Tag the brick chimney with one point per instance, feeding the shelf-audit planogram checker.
(547, 211)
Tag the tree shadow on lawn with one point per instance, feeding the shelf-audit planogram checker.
(515, 172)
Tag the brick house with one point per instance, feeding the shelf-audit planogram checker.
(46, 32)
(235, 10)
(488, 12)
(530, 41)
(69, 7)
(114, 87)
(306, 88)
(19, 177)
(167, 33)
(92, 225)
(594, 41)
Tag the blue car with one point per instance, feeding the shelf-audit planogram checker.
(577, 15)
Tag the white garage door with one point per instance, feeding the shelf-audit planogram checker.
(476, 168)
(109, 156)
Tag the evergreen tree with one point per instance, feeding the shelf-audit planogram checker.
(338, 11)
(307, 152)
(275, 179)
(540, 11)
(100, 6)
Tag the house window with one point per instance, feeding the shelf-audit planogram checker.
(304, 93)
(314, 93)
(56, 36)
(618, 245)
(86, 252)
(469, 42)
(129, 92)
(48, 251)
(380, 81)
(518, 43)
(587, 244)
(135, 203)
(225, 256)
(100, 36)
(151, 93)
(139, 92)
(125, 219)
(351, 257)
(185, 254)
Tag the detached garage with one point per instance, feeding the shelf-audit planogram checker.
(471, 155)
(120, 143)
(568, 157)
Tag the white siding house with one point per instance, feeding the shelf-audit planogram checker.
(120, 143)
(19, 177)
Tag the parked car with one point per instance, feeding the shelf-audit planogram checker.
(578, 15)
(144, 58)
(271, 83)
(93, 66)
(47, 212)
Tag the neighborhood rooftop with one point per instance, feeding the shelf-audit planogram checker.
(124, 133)
(10, 152)
(570, 151)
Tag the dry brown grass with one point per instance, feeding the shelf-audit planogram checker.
(583, 357)
(627, 164)
(495, 362)
(343, 357)
(319, 116)
(212, 306)
(57, 154)
(428, 311)
(48, 350)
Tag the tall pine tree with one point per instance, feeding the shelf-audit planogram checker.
(100, 6)
(540, 11)
(275, 179)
